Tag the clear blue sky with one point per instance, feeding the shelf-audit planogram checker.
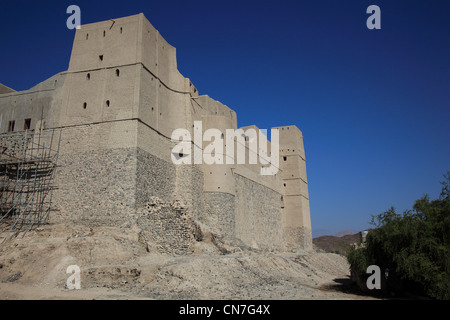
(373, 105)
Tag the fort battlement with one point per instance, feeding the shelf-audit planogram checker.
(117, 105)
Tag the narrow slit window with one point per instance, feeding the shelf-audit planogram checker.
(100, 57)
(107, 103)
(27, 124)
(87, 36)
(117, 72)
(88, 76)
(121, 29)
(11, 125)
(84, 105)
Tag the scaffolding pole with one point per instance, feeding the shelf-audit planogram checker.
(28, 161)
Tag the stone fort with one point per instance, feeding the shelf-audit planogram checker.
(117, 106)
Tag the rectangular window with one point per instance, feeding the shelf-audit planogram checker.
(27, 124)
(11, 126)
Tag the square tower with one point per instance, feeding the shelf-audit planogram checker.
(296, 213)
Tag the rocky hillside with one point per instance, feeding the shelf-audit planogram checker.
(337, 244)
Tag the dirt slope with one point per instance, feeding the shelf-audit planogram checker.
(116, 264)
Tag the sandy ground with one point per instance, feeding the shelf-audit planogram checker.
(116, 264)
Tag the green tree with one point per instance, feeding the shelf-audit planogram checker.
(413, 246)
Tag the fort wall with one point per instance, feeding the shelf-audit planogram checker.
(117, 105)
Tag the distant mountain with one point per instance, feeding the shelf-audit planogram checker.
(337, 244)
(321, 232)
(344, 233)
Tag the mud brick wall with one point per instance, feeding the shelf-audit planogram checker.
(258, 215)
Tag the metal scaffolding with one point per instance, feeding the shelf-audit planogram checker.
(27, 168)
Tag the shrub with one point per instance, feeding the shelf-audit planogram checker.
(414, 247)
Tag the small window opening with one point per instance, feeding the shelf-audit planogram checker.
(180, 154)
(285, 158)
(107, 103)
(88, 76)
(121, 29)
(117, 72)
(27, 124)
(284, 184)
(100, 57)
(84, 105)
(87, 36)
(104, 33)
(11, 125)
